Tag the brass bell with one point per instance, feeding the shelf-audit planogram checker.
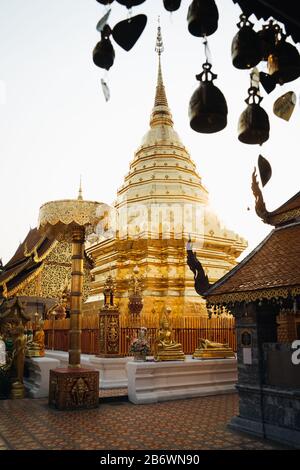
(130, 3)
(202, 17)
(267, 36)
(284, 62)
(245, 47)
(104, 54)
(172, 5)
(208, 107)
(253, 126)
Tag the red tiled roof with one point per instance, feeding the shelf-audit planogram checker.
(275, 263)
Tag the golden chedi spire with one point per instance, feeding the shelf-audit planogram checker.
(161, 114)
(80, 198)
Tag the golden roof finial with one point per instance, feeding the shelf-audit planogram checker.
(161, 113)
(80, 198)
(159, 48)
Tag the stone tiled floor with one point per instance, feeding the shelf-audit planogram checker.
(198, 423)
(113, 392)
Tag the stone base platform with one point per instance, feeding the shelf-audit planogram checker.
(151, 382)
(112, 371)
(73, 389)
(37, 382)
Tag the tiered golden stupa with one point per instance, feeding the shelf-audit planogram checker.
(161, 203)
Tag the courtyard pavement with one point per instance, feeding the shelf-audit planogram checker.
(194, 424)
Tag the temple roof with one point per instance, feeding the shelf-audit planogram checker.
(33, 240)
(26, 263)
(272, 269)
(288, 212)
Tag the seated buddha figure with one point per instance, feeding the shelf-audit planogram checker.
(211, 350)
(166, 348)
(36, 346)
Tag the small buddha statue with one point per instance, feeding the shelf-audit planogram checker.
(166, 349)
(36, 347)
(20, 340)
(210, 350)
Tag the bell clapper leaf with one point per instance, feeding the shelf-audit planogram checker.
(101, 23)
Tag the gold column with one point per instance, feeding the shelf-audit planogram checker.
(78, 234)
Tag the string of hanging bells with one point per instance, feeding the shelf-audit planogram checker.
(208, 108)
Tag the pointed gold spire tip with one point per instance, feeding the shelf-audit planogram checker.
(161, 113)
(159, 48)
(80, 198)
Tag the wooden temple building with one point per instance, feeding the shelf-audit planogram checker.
(263, 293)
(39, 273)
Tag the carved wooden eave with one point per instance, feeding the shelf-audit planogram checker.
(288, 212)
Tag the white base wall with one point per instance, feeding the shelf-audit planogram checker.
(37, 384)
(112, 371)
(151, 382)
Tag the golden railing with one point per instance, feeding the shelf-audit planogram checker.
(187, 331)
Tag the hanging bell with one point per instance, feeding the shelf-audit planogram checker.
(245, 47)
(130, 3)
(172, 5)
(202, 17)
(284, 62)
(253, 126)
(208, 107)
(104, 54)
(267, 36)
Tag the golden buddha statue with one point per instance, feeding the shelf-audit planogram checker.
(166, 349)
(36, 346)
(211, 350)
(20, 340)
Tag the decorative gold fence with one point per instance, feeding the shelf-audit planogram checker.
(187, 331)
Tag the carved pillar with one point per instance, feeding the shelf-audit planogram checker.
(73, 387)
(135, 304)
(76, 296)
(109, 323)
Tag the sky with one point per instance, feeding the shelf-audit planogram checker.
(55, 124)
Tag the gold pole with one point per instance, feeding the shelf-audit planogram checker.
(53, 318)
(76, 296)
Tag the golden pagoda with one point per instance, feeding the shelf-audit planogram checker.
(161, 204)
